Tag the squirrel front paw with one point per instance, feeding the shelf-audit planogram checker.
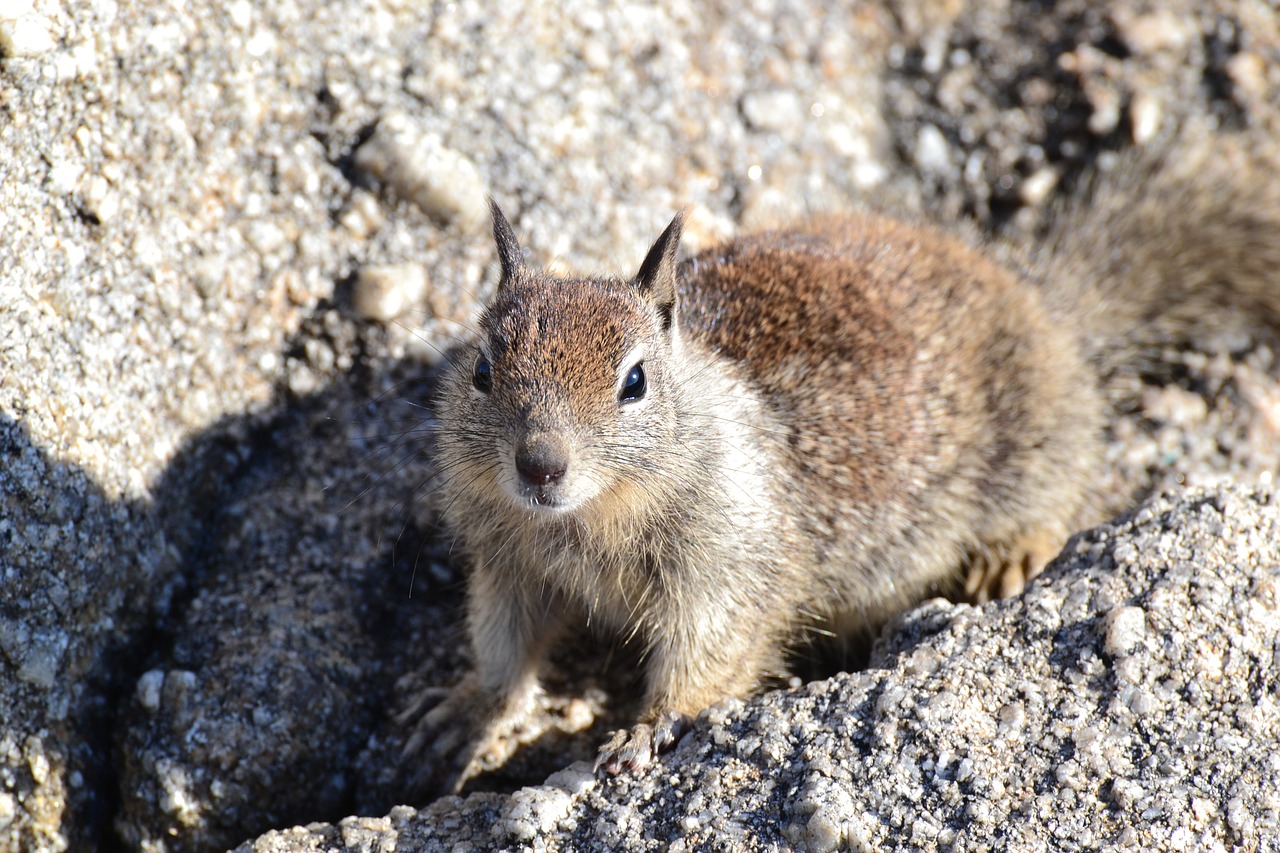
(449, 729)
(634, 748)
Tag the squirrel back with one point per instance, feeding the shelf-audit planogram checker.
(935, 414)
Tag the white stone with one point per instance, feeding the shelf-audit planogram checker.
(383, 293)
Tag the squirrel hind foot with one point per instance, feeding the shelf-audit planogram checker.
(1003, 571)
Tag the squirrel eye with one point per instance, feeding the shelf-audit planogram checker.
(482, 375)
(633, 387)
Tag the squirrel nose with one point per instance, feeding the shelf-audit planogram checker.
(539, 464)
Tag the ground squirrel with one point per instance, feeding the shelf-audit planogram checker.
(804, 429)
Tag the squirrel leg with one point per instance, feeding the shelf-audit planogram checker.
(510, 630)
(688, 670)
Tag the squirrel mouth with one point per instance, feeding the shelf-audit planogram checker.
(543, 499)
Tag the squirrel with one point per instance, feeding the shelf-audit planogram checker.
(805, 429)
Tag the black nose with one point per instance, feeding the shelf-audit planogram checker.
(540, 465)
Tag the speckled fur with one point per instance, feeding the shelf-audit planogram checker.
(841, 419)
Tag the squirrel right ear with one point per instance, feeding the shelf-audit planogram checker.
(510, 255)
(657, 276)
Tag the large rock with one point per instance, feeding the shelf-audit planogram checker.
(205, 614)
(1130, 699)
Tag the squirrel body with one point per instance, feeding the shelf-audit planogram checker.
(801, 430)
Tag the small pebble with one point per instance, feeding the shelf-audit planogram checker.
(1126, 628)
(100, 200)
(1248, 73)
(148, 689)
(932, 153)
(1144, 116)
(1151, 33)
(8, 809)
(775, 111)
(1036, 188)
(24, 32)
(383, 293)
(443, 183)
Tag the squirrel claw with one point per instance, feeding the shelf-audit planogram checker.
(445, 737)
(633, 749)
(422, 702)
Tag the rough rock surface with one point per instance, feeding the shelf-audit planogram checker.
(1127, 700)
(214, 496)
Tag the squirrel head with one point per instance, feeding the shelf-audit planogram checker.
(569, 394)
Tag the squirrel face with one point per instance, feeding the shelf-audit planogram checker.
(569, 393)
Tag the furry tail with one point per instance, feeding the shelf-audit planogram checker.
(1170, 247)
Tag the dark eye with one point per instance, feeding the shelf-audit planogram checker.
(482, 375)
(633, 387)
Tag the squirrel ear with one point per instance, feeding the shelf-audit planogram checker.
(657, 277)
(510, 256)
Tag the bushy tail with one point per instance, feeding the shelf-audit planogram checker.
(1171, 246)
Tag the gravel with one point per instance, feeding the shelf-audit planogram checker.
(239, 237)
(1127, 700)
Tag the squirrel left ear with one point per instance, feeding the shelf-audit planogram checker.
(510, 256)
(657, 277)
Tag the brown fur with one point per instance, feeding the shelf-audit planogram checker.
(837, 421)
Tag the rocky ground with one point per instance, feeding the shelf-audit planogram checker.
(239, 236)
(1125, 701)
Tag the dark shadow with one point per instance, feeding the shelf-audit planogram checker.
(48, 508)
(243, 631)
